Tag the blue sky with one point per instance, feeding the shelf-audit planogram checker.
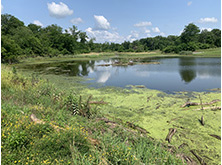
(118, 20)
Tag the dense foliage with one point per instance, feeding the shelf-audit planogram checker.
(20, 40)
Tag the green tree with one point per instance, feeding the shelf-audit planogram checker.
(10, 50)
(217, 35)
(190, 33)
(83, 37)
(27, 41)
(206, 37)
(9, 23)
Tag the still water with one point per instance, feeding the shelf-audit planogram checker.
(165, 74)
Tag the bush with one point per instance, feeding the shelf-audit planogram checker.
(169, 49)
(203, 46)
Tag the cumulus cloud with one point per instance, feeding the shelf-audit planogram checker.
(101, 23)
(134, 35)
(37, 22)
(189, 3)
(143, 24)
(156, 30)
(208, 20)
(104, 35)
(76, 21)
(60, 10)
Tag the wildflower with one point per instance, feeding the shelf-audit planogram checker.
(15, 161)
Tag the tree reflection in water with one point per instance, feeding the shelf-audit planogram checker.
(187, 69)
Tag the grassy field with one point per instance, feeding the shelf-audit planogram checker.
(39, 126)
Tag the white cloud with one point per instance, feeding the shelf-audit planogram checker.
(101, 23)
(60, 10)
(189, 3)
(156, 30)
(162, 33)
(208, 20)
(37, 22)
(143, 24)
(135, 34)
(208, 29)
(76, 21)
(2, 8)
(147, 31)
(104, 36)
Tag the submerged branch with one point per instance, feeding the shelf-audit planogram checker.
(194, 104)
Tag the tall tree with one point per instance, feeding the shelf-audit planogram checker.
(9, 22)
(190, 33)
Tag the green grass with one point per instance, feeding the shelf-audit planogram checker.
(213, 52)
(64, 138)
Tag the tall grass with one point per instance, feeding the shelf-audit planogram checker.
(62, 136)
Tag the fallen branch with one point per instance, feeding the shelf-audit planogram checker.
(158, 107)
(194, 104)
(38, 121)
(216, 136)
(104, 65)
(148, 98)
(211, 108)
(187, 159)
(202, 120)
(182, 145)
(131, 125)
(172, 131)
(198, 158)
(174, 119)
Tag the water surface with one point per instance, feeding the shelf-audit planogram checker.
(171, 74)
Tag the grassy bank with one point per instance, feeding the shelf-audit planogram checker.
(214, 52)
(39, 127)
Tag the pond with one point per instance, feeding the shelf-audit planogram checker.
(168, 74)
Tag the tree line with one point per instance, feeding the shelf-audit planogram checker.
(18, 40)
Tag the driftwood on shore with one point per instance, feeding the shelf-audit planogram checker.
(187, 104)
(172, 131)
